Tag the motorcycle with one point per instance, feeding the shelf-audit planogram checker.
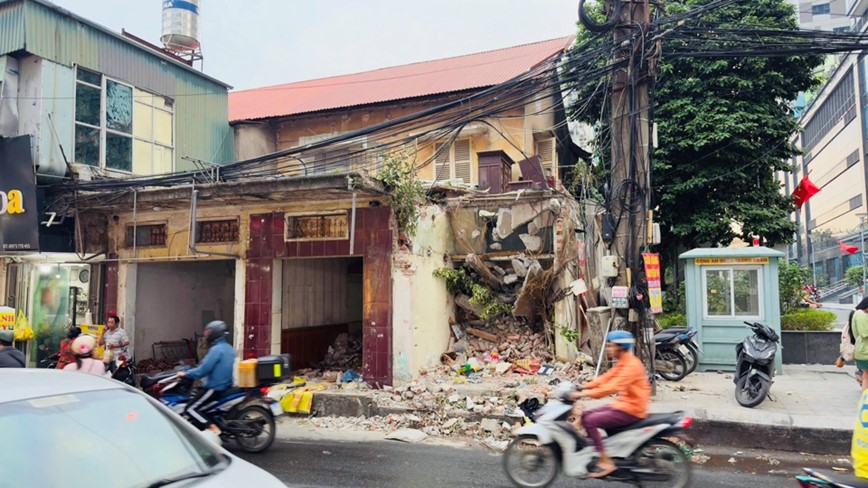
(643, 452)
(125, 370)
(687, 344)
(50, 362)
(669, 361)
(816, 479)
(245, 415)
(755, 365)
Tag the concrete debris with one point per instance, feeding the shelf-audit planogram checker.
(531, 243)
(519, 267)
(344, 353)
(490, 425)
(407, 435)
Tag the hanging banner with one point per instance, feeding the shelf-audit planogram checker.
(655, 281)
(19, 219)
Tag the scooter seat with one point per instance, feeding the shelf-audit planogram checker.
(652, 420)
(665, 335)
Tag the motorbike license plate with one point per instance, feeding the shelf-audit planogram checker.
(683, 349)
(276, 409)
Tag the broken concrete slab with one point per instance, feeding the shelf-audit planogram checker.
(519, 267)
(463, 301)
(490, 425)
(504, 226)
(531, 243)
(510, 279)
(407, 435)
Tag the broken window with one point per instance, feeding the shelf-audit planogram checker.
(122, 128)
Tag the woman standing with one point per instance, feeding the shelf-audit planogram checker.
(860, 331)
(82, 348)
(66, 356)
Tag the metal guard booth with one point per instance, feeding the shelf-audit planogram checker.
(725, 288)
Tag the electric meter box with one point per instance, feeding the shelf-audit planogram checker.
(610, 267)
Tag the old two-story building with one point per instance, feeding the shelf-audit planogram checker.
(355, 122)
(296, 242)
(79, 102)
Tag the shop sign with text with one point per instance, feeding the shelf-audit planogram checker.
(19, 221)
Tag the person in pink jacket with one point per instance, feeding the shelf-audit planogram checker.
(82, 349)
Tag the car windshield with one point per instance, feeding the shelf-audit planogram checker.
(100, 438)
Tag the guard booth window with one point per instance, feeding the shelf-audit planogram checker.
(732, 292)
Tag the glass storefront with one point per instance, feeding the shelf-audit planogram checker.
(54, 296)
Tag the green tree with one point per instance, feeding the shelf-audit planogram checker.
(854, 275)
(791, 278)
(723, 129)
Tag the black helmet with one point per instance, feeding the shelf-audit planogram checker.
(215, 330)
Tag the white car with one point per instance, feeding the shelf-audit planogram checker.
(73, 430)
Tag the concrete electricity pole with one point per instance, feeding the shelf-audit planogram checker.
(629, 187)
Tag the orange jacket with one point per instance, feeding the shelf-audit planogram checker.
(629, 380)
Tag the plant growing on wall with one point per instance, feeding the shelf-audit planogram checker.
(405, 192)
(458, 282)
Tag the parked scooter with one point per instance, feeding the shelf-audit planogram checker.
(245, 415)
(687, 344)
(125, 370)
(669, 361)
(642, 451)
(755, 365)
(816, 479)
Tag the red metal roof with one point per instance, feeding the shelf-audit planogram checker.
(395, 83)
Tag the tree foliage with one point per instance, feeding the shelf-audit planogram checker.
(791, 278)
(723, 130)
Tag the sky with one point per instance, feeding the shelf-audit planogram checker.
(253, 43)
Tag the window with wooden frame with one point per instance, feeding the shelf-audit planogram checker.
(147, 235)
(328, 226)
(454, 162)
(217, 231)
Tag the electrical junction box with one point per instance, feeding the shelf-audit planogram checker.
(610, 267)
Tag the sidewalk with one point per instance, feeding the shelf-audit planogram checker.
(810, 409)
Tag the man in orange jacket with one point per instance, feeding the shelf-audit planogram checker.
(629, 380)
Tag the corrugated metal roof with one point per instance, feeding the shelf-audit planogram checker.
(55, 33)
(395, 83)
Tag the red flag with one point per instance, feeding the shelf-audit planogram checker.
(804, 191)
(848, 249)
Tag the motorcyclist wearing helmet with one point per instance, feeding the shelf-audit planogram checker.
(629, 380)
(9, 356)
(216, 369)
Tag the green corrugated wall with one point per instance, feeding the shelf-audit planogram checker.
(201, 105)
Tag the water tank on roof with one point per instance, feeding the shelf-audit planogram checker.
(180, 25)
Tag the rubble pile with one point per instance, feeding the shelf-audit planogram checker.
(344, 353)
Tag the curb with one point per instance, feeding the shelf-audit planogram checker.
(708, 432)
(771, 437)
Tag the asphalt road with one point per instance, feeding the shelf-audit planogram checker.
(328, 463)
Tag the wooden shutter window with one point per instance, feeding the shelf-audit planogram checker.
(441, 163)
(462, 160)
(545, 149)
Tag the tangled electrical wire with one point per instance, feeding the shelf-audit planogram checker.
(684, 34)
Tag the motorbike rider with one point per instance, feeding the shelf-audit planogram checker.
(629, 380)
(216, 369)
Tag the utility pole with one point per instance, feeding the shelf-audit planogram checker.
(634, 61)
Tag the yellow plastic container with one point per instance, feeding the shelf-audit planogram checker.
(247, 373)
